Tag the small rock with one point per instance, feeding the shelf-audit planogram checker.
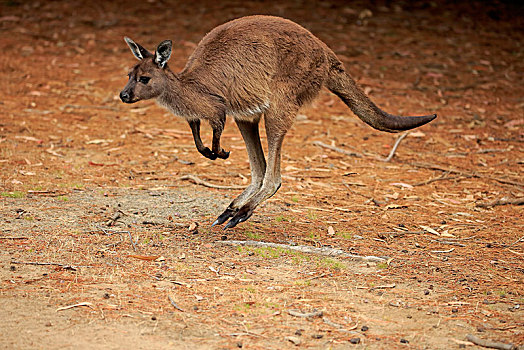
(298, 332)
(364, 328)
(354, 340)
(404, 341)
(239, 344)
(317, 336)
(426, 292)
(153, 318)
(193, 228)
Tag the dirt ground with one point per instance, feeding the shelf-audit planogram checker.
(105, 243)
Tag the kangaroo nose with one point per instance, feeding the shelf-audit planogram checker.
(124, 96)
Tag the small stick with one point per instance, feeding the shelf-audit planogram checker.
(306, 249)
(337, 149)
(318, 276)
(297, 313)
(11, 237)
(449, 242)
(385, 286)
(517, 241)
(131, 239)
(334, 324)
(443, 251)
(395, 146)
(466, 174)
(501, 201)
(85, 303)
(199, 181)
(489, 343)
(70, 267)
(174, 304)
(440, 178)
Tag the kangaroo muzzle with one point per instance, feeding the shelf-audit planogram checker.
(126, 97)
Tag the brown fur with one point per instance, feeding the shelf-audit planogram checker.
(246, 68)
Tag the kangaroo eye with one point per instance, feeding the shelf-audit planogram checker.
(144, 80)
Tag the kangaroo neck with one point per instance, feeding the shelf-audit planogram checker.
(190, 98)
(181, 97)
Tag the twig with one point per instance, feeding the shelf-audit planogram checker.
(318, 276)
(334, 324)
(501, 201)
(245, 333)
(491, 150)
(443, 251)
(11, 237)
(489, 343)
(464, 173)
(517, 241)
(337, 149)
(85, 303)
(109, 232)
(298, 313)
(307, 249)
(131, 239)
(174, 304)
(449, 242)
(444, 177)
(385, 286)
(395, 146)
(199, 181)
(66, 267)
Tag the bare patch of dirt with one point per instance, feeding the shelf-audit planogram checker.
(94, 208)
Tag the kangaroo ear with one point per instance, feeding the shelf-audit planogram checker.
(137, 49)
(163, 52)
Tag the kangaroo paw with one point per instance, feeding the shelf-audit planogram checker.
(223, 154)
(224, 216)
(206, 152)
(242, 215)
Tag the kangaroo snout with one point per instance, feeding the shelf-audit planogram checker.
(125, 97)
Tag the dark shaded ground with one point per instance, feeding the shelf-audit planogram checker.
(71, 156)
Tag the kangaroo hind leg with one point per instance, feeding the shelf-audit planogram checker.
(257, 162)
(278, 120)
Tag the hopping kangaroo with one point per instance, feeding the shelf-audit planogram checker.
(246, 68)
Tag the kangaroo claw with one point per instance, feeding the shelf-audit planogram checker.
(223, 154)
(242, 215)
(206, 152)
(224, 216)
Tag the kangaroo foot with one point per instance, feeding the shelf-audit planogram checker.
(242, 215)
(229, 212)
(222, 154)
(206, 152)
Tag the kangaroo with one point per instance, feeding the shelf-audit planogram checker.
(246, 68)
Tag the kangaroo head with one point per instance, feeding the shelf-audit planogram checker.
(147, 79)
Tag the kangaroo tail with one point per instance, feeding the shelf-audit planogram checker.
(342, 85)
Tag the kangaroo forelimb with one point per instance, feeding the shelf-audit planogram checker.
(217, 133)
(205, 151)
